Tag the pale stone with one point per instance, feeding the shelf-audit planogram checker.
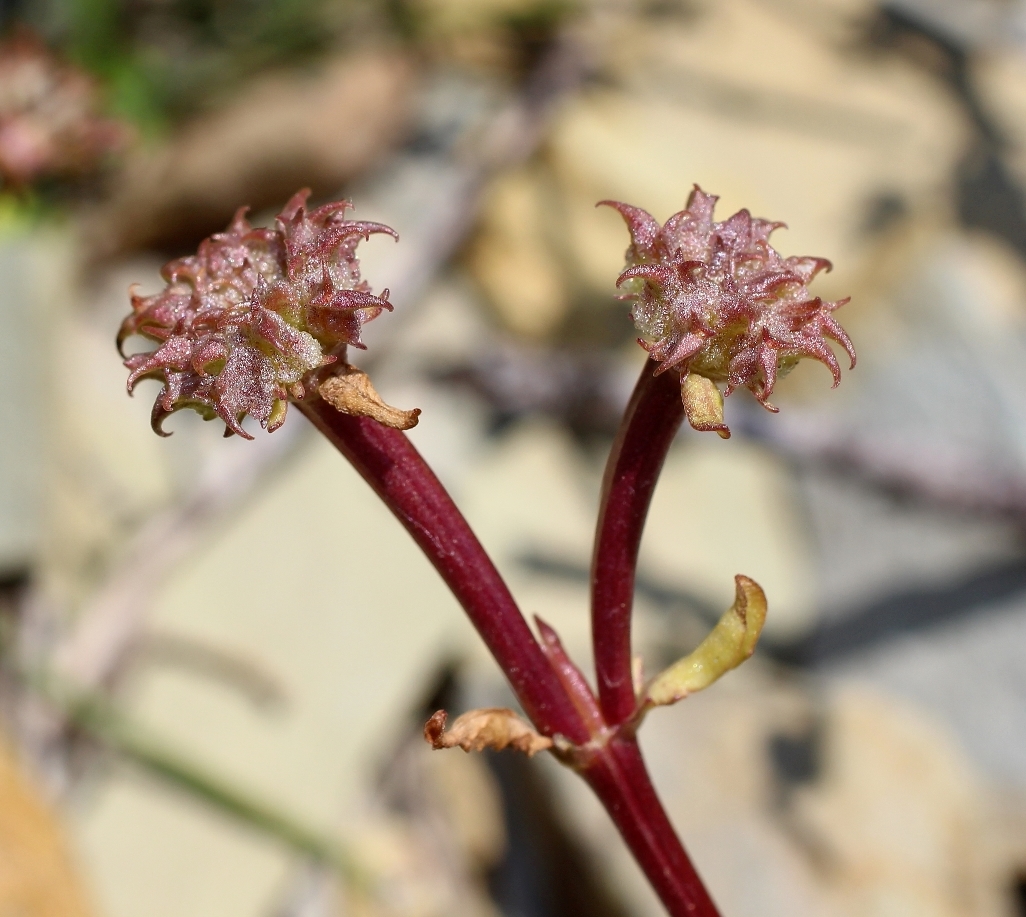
(898, 813)
(516, 264)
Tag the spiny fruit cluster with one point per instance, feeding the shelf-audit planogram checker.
(241, 322)
(48, 115)
(719, 304)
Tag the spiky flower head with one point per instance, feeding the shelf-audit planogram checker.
(49, 121)
(243, 322)
(721, 306)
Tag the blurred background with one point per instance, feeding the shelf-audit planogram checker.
(216, 656)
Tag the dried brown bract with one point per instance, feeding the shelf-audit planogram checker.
(716, 300)
(350, 391)
(490, 727)
(242, 322)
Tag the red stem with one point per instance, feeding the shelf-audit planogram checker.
(393, 467)
(649, 426)
(615, 770)
(620, 780)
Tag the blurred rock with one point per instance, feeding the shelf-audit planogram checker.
(435, 826)
(740, 518)
(842, 148)
(984, 23)
(102, 475)
(515, 256)
(1000, 76)
(317, 129)
(500, 37)
(898, 815)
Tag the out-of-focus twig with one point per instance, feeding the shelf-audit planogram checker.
(902, 469)
(110, 625)
(98, 718)
(560, 382)
(230, 668)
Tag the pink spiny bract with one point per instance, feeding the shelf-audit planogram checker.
(241, 322)
(717, 300)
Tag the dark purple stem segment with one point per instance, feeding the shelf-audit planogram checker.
(649, 426)
(393, 467)
(388, 461)
(620, 780)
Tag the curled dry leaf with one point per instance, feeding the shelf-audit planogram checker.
(489, 727)
(351, 392)
(729, 644)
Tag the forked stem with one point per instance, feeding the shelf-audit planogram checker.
(396, 471)
(388, 461)
(649, 426)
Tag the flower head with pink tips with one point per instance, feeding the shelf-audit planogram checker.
(244, 320)
(721, 306)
